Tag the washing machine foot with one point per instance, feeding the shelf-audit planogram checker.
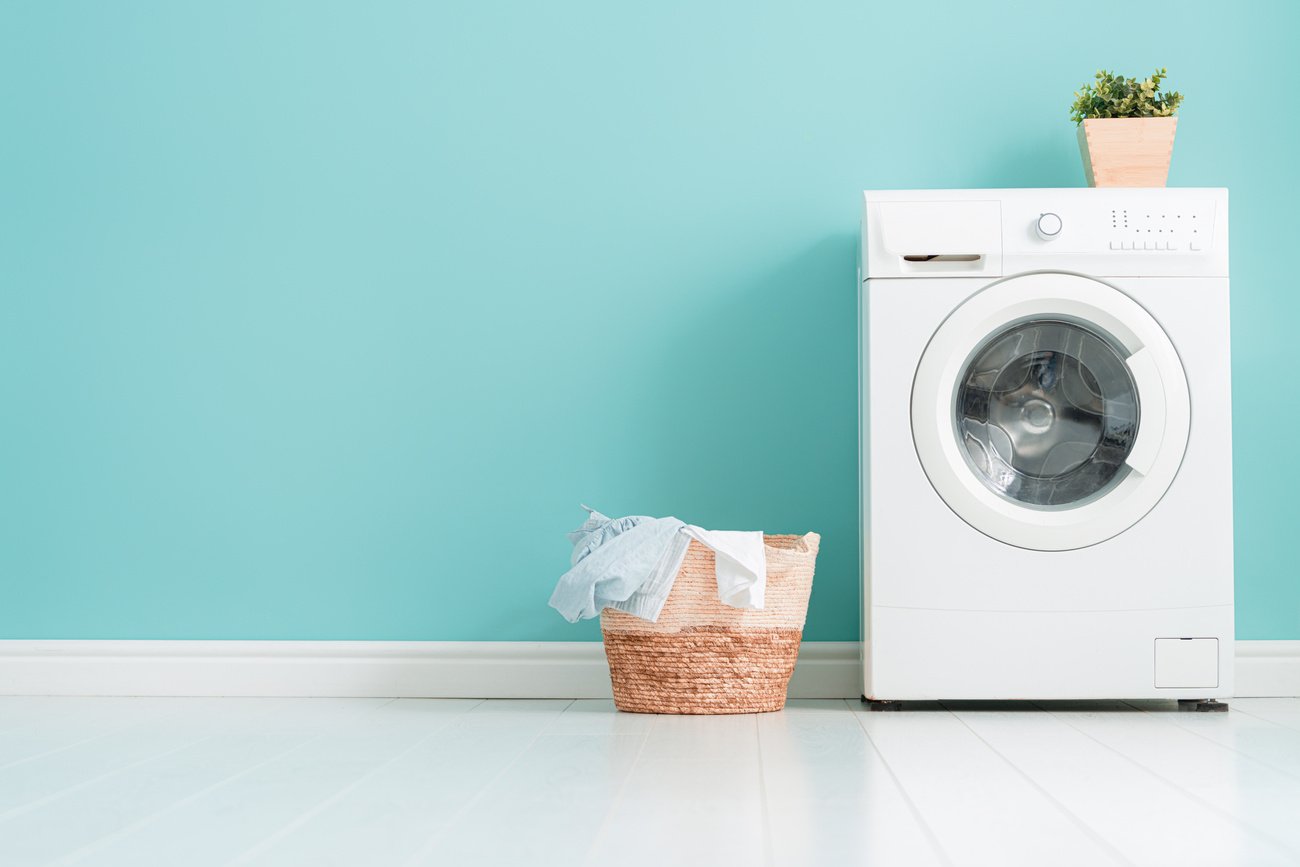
(1202, 705)
(881, 704)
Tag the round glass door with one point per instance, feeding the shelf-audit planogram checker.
(1050, 411)
(1047, 413)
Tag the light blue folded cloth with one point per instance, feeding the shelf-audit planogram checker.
(633, 574)
(631, 563)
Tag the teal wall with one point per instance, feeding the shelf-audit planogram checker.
(319, 319)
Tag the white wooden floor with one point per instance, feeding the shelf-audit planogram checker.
(188, 782)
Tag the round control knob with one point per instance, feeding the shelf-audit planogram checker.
(1049, 226)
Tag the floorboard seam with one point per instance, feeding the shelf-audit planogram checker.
(307, 815)
(430, 845)
(91, 739)
(1069, 814)
(68, 790)
(1283, 847)
(602, 829)
(1167, 717)
(143, 822)
(926, 830)
(1236, 706)
(765, 821)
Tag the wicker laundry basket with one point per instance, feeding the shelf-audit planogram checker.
(701, 656)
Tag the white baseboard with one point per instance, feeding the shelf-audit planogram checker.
(435, 669)
(1267, 669)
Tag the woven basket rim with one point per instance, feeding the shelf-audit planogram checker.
(791, 542)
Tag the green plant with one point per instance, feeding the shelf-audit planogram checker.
(1116, 96)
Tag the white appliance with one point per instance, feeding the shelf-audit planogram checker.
(1046, 444)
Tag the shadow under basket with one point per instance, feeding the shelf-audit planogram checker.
(703, 657)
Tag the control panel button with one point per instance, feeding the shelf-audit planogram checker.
(1049, 226)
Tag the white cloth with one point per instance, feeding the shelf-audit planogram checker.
(741, 564)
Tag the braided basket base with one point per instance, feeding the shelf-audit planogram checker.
(702, 669)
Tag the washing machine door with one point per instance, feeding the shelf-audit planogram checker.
(1050, 411)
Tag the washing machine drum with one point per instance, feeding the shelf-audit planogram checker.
(1050, 411)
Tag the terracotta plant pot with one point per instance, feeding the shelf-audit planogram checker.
(1127, 151)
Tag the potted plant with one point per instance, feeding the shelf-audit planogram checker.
(1126, 129)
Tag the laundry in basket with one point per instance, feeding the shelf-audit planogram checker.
(694, 621)
(630, 564)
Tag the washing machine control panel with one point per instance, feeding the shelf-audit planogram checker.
(1160, 226)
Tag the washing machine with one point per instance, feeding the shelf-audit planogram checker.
(1046, 488)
